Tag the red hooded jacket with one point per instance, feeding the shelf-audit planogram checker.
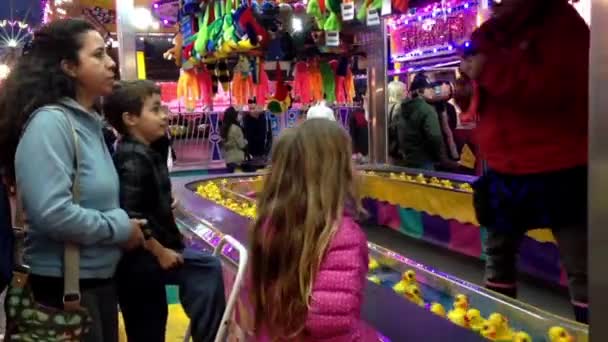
(534, 92)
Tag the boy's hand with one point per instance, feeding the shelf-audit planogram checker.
(174, 201)
(136, 238)
(169, 259)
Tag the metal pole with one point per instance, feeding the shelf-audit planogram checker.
(127, 51)
(377, 101)
(598, 171)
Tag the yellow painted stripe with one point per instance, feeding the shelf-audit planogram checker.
(141, 65)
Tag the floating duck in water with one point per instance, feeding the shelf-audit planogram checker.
(458, 317)
(500, 322)
(522, 337)
(488, 330)
(461, 302)
(559, 334)
(373, 264)
(413, 294)
(437, 309)
(474, 320)
(408, 278)
(458, 314)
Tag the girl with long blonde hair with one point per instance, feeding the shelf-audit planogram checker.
(309, 256)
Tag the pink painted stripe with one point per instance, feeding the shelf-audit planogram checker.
(501, 285)
(580, 304)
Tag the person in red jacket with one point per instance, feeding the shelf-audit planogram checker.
(309, 256)
(533, 134)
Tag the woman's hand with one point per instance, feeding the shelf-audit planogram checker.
(136, 238)
(169, 259)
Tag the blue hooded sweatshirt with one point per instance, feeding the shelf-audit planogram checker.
(44, 169)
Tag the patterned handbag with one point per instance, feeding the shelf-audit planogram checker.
(29, 321)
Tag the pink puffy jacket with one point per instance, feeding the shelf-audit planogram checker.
(337, 294)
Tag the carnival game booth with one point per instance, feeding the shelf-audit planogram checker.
(223, 47)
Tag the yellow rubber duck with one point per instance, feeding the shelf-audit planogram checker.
(437, 309)
(373, 264)
(522, 337)
(413, 294)
(474, 320)
(559, 334)
(408, 278)
(461, 302)
(446, 183)
(500, 322)
(488, 330)
(458, 314)
(435, 181)
(458, 317)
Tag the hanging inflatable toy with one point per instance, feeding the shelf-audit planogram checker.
(215, 32)
(224, 75)
(215, 76)
(242, 86)
(229, 38)
(333, 22)
(329, 82)
(316, 81)
(301, 82)
(317, 12)
(280, 101)
(349, 84)
(206, 86)
(263, 86)
(188, 89)
(246, 22)
(202, 38)
(368, 5)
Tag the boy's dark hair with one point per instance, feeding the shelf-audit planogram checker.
(127, 97)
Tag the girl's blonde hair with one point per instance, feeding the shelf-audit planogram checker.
(310, 185)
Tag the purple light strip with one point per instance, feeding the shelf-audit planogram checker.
(45, 12)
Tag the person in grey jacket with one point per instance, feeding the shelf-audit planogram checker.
(233, 140)
(53, 88)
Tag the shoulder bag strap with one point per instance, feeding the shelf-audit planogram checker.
(71, 254)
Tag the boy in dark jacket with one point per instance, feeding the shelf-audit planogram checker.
(134, 109)
(533, 134)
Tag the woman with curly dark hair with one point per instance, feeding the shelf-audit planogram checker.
(51, 138)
